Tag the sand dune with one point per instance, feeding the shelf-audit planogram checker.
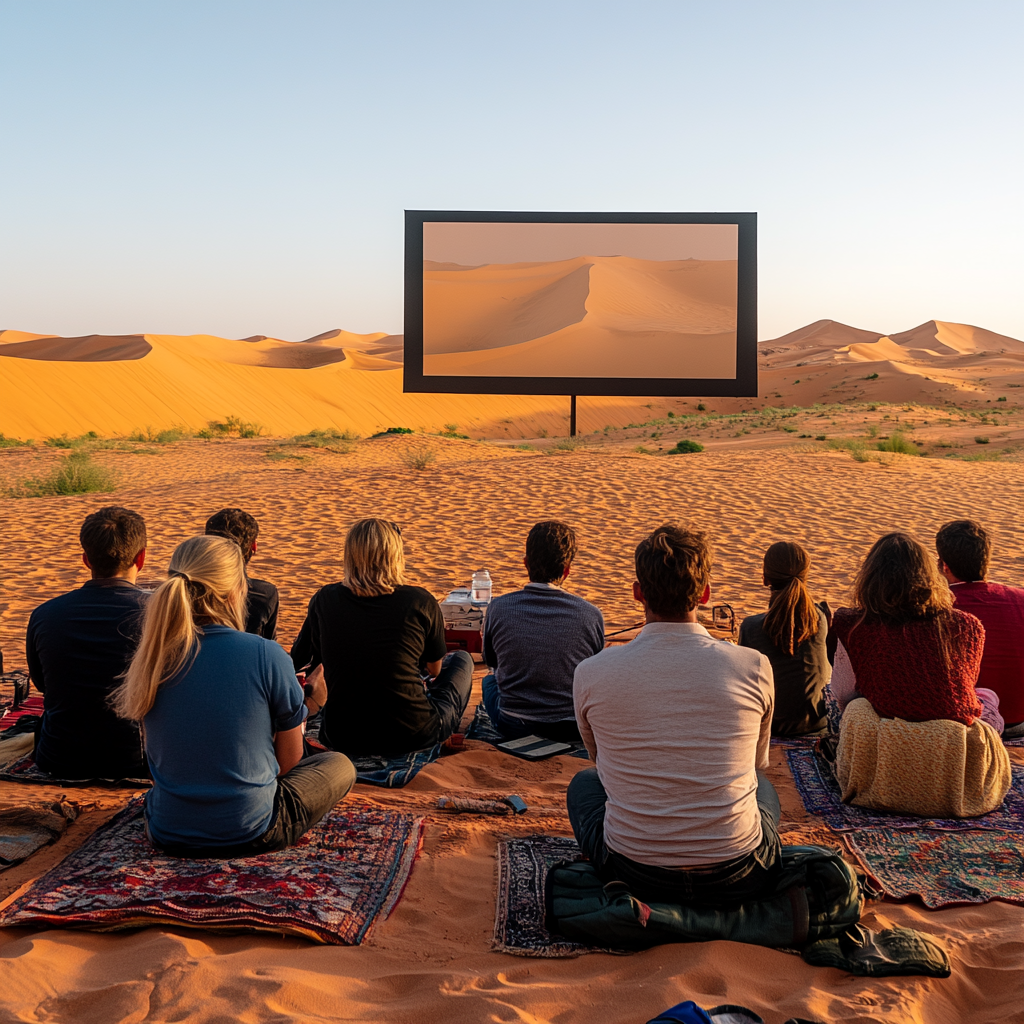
(115, 385)
(614, 316)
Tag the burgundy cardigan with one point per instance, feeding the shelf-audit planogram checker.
(901, 669)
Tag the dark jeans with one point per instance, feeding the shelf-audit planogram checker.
(303, 797)
(449, 693)
(513, 728)
(724, 884)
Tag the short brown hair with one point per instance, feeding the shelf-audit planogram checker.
(550, 548)
(236, 525)
(112, 538)
(965, 548)
(673, 567)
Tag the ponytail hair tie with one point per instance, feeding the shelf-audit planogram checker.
(179, 573)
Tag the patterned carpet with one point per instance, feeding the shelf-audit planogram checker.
(821, 795)
(25, 769)
(347, 871)
(942, 868)
(523, 866)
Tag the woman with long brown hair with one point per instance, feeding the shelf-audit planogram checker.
(222, 713)
(792, 635)
(908, 650)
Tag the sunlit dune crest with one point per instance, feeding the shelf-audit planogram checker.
(118, 384)
(592, 316)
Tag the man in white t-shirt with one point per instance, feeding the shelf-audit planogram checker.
(678, 724)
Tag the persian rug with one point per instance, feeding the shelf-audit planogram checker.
(345, 873)
(23, 830)
(942, 868)
(25, 769)
(30, 708)
(821, 795)
(520, 910)
(482, 728)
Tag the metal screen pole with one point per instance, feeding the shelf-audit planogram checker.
(572, 415)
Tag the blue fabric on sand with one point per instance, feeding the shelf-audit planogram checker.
(209, 740)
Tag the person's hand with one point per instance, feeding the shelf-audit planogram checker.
(318, 693)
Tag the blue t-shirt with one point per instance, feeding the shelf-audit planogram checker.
(209, 740)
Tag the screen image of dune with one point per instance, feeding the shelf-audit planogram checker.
(579, 300)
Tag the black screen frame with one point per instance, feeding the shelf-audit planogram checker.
(743, 385)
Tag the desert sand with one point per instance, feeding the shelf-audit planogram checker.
(592, 316)
(470, 507)
(116, 385)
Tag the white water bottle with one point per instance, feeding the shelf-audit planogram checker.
(481, 587)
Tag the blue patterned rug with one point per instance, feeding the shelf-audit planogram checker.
(942, 868)
(821, 795)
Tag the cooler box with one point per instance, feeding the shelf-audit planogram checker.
(463, 622)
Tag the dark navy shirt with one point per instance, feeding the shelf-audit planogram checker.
(261, 609)
(77, 646)
(209, 737)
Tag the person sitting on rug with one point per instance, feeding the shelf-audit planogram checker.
(679, 724)
(223, 715)
(533, 640)
(391, 689)
(78, 646)
(792, 634)
(964, 550)
(905, 647)
(262, 601)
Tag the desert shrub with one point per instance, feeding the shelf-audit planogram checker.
(13, 442)
(897, 443)
(71, 442)
(280, 454)
(330, 440)
(398, 430)
(167, 436)
(568, 444)
(871, 376)
(684, 447)
(420, 460)
(981, 440)
(1001, 398)
(452, 430)
(231, 426)
(701, 407)
(77, 474)
(820, 437)
(671, 415)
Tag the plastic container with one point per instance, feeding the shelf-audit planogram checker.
(481, 587)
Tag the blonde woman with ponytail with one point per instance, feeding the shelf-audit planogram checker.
(792, 634)
(222, 713)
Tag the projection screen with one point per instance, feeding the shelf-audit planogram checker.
(581, 303)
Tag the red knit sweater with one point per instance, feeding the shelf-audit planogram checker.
(901, 669)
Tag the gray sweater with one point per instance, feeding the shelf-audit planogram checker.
(533, 640)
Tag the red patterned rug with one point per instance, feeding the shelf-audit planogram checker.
(347, 871)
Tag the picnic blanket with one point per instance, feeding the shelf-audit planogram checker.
(942, 868)
(25, 829)
(25, 769)
(482, 728)
(821, 796)
(345, 873)
(936, 769)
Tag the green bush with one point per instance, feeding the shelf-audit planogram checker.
(13, 442)
(331, 439)
(897, 443)
(77, 474)
(871, 376)
(981, 440)
(452, 430)
(230, 426)
(685, 446)
(398, 430)
(568, 444)
(71, 442)
(168, 436)
(420, 460)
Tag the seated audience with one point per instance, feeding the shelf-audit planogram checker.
(377, 639)
(904, 646)
(533, 640)
(223, 715)
(679, 725)
(262, 601)
(792, 634)
(78, 646)
(964, 551)
(915, 737)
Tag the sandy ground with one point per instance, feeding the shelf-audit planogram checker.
(470, 508)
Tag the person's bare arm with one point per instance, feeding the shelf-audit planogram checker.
(434, 668)
(288, 749)
(765, 738)
(318, 698)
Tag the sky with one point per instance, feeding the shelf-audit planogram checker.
(472, 244)
(242, 168)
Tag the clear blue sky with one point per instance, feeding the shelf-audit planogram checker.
(242, 168)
